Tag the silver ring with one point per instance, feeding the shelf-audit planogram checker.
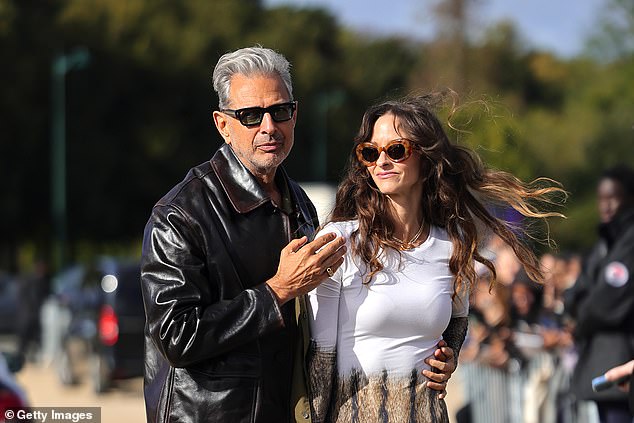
(329, 271)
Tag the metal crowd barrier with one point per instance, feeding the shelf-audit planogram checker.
(536, 392)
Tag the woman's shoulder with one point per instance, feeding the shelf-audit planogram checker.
(439, 233)
(343, 228)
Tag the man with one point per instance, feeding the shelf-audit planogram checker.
(602, 299)
(227, 260)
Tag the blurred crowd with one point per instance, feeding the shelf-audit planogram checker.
(521, 350)
(518, 318)
(519, 353)
(533, 350)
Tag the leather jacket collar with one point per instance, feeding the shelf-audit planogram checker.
(245, 192)
(242, 188)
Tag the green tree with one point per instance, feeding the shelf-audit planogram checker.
(614, 36)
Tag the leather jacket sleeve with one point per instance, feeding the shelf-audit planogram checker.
(189, 318)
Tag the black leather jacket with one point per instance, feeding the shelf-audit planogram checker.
(215, 334)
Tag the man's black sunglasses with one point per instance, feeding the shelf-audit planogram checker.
(250, 116)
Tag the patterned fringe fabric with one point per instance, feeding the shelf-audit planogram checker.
(387, 400)
(378, 399)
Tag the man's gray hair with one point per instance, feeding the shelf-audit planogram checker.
(249, 61)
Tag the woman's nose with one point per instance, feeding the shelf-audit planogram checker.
(382, 160)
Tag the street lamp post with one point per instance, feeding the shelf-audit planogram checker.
(62, 63)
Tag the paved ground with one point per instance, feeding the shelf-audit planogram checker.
(121, 405)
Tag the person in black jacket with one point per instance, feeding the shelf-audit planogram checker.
(602, 300)
(227, 256)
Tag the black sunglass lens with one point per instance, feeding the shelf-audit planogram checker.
(370, 154)
(251, 116)
(396, 151)
(281, 113)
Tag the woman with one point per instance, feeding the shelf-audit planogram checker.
(411, 207)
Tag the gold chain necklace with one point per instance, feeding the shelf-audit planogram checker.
(409, 245)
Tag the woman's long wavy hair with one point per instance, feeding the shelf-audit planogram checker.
(458, 191)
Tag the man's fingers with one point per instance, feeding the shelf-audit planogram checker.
(440, 355)
(436, 377)
(436, 386)
(313, 259)
(443, 359)
(329, 251)
(334, 266)
(441, 365)
(314, 246)
(321, 241)
(440, 387)
(444, 353)
(296, 244)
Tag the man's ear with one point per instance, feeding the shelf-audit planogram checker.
(222, 125)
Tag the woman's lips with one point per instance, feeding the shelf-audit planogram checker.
(384, 175)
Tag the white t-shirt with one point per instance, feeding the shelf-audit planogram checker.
(394, 322)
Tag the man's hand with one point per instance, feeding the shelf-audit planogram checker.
(443, 364)
(303, 265)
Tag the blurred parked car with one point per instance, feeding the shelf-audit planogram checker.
(12, 396)
(103, 338)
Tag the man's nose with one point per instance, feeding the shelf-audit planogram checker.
(268, 124)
